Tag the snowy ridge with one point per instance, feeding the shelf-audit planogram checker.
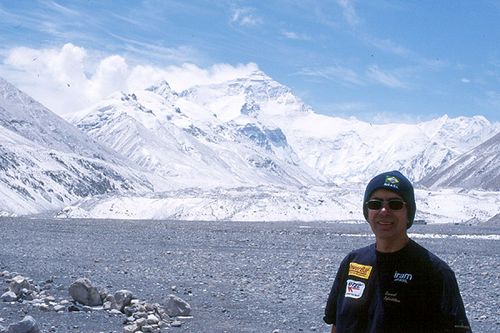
(342, 149)
(46, 163)
(478, 168)
(190, 146)
(245, 149)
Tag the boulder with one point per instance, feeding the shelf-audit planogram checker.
(18, 284)
(122, 299)
(176, 306)
(27, 325)
(85, 293)
(130, 328)
(8, 296)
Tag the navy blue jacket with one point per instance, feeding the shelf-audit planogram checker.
(411, 290)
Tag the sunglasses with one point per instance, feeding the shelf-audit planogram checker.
(394, 204)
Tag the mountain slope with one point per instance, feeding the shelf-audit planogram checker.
(190, 145)
(45, 163)
(341, 150)
(477, 169)
(241, 149)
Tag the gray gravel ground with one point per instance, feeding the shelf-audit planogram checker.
(237, 276)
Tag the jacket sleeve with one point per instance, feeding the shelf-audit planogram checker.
(452, 306)
(335, 293)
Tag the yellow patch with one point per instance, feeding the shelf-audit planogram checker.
(362, 271)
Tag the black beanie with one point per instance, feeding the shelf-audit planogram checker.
(393, 181)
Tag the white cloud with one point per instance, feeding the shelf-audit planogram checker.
(111, 75)
(67, 80)
(295, 35)
(245, 17)
(349, 12)
(338, 73)
(389, 46)
(387, 79)
(188, 75)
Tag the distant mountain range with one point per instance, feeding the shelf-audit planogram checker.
(251, 134)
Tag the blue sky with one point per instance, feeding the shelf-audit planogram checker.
(379, 61)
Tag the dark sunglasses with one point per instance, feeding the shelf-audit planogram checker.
(394, 204)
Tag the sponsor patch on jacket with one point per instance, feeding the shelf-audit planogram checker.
(354, 289)
(358, 270)
(402, 277)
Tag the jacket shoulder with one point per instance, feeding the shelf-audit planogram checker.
(429, 259)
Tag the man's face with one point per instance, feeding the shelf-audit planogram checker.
(388, 224)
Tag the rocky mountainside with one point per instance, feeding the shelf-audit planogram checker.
(46, 163)
(479, 168)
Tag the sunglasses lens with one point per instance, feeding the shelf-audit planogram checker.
(395, 204)
(374, 204)
(378, 204)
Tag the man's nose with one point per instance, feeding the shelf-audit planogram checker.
(385, 209)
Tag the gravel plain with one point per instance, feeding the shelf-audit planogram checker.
(237, 276)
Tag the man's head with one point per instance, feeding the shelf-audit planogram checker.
(395, 182)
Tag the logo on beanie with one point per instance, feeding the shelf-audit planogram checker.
(391, 181)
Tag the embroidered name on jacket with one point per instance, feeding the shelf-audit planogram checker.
(402, 277)
(358, 270)
(354, 289)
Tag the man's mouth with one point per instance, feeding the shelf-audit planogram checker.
(385, 222)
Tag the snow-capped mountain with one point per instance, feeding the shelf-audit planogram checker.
(341, 150)
(190, 145)
(46, 163)
(244, 149)
(253, 131)
(477, 169)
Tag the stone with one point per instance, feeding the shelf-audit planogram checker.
(49, 299)
(44, 307)
(152, 319)
(129, 310)
(9, 296)
(122, 299)
(107, 305)
(141, 322)
(19, 284)
(74, 308)
(85, 293)
(27, 325)
(130, 328)
(176, 306)
(147, 329)
(59, 307)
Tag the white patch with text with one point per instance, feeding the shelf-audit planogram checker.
(354, 289)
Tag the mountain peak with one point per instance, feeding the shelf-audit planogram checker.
(258, 75)
(163, 89)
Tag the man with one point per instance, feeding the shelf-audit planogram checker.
(394, 285)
